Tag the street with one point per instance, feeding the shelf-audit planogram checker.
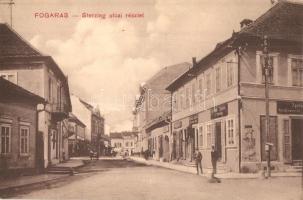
(121, 179)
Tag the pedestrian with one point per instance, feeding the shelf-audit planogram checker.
(198, 158)
(214, 158)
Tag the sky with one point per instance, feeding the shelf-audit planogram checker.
(107, 59)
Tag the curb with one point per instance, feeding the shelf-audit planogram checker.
(4, 192)
(208, 175)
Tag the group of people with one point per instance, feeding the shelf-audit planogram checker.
(214, 159)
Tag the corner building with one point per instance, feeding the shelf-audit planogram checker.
(221, 100)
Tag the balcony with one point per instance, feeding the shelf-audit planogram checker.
(59, 111)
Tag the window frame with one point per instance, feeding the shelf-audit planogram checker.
(227, 134)
(259, 75)
(23, 127)
(230, 73)
(208, 84)
(218, 79)
(9, 136)
(208, 134)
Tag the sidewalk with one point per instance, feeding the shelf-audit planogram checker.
(207, 172)
(14, 183)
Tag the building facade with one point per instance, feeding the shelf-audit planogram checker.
(23, 65)
(123, 143)
(153, 102)
(94, 122)
(76, 134)
(19, 138)
(221, 100)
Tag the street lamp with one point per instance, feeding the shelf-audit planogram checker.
(267, 73)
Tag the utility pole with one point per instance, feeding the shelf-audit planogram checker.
(267, 73)
(10, 3)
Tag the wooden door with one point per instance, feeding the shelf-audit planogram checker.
(272, 137)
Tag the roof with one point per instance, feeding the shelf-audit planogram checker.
(13, 45)
(168, 74)
(75, 119)
(94, 110)
(14, 48)
(121, 135)
(283, 22)
(9, 90)
(164, 77)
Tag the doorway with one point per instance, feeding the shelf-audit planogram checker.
(297, 143)
(218, 144)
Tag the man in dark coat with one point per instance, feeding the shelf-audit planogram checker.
(214, 159)
(198, 158)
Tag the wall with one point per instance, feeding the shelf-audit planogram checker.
(83, 114)
(20, 112)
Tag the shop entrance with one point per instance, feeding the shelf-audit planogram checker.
(297, 143)
(218, 144)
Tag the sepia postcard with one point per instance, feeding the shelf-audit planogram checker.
(151, 99)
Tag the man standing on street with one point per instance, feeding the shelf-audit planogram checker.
(198, 159)
(214, 158)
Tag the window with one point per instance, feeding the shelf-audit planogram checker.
(126, 144)
(230, 129)
(200, 87)
(201, 139)
(218, 79)
(297, 72)
(175, 101)
(209, 134)
(208, 84)
(230, 74)
(273, 66)
(181, 96)
(50, 89)
(131, 144)
(193, 92)
(24, 140)
(5, 139)
(270, 63)
(187, 97)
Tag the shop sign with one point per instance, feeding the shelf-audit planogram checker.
(219, 111)
(290, 107)
(193, 119)
(177, 124)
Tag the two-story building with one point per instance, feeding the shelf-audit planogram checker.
(76, 137)
(19, 137)
(25, 66)
(123, 143)
(93, 121)
(221, 100)
(153, 103)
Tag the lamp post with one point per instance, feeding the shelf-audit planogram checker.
(267, 72)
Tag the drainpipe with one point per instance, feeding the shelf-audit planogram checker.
(239, 105)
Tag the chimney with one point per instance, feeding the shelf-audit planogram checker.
(245, 22)
(194, 61)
